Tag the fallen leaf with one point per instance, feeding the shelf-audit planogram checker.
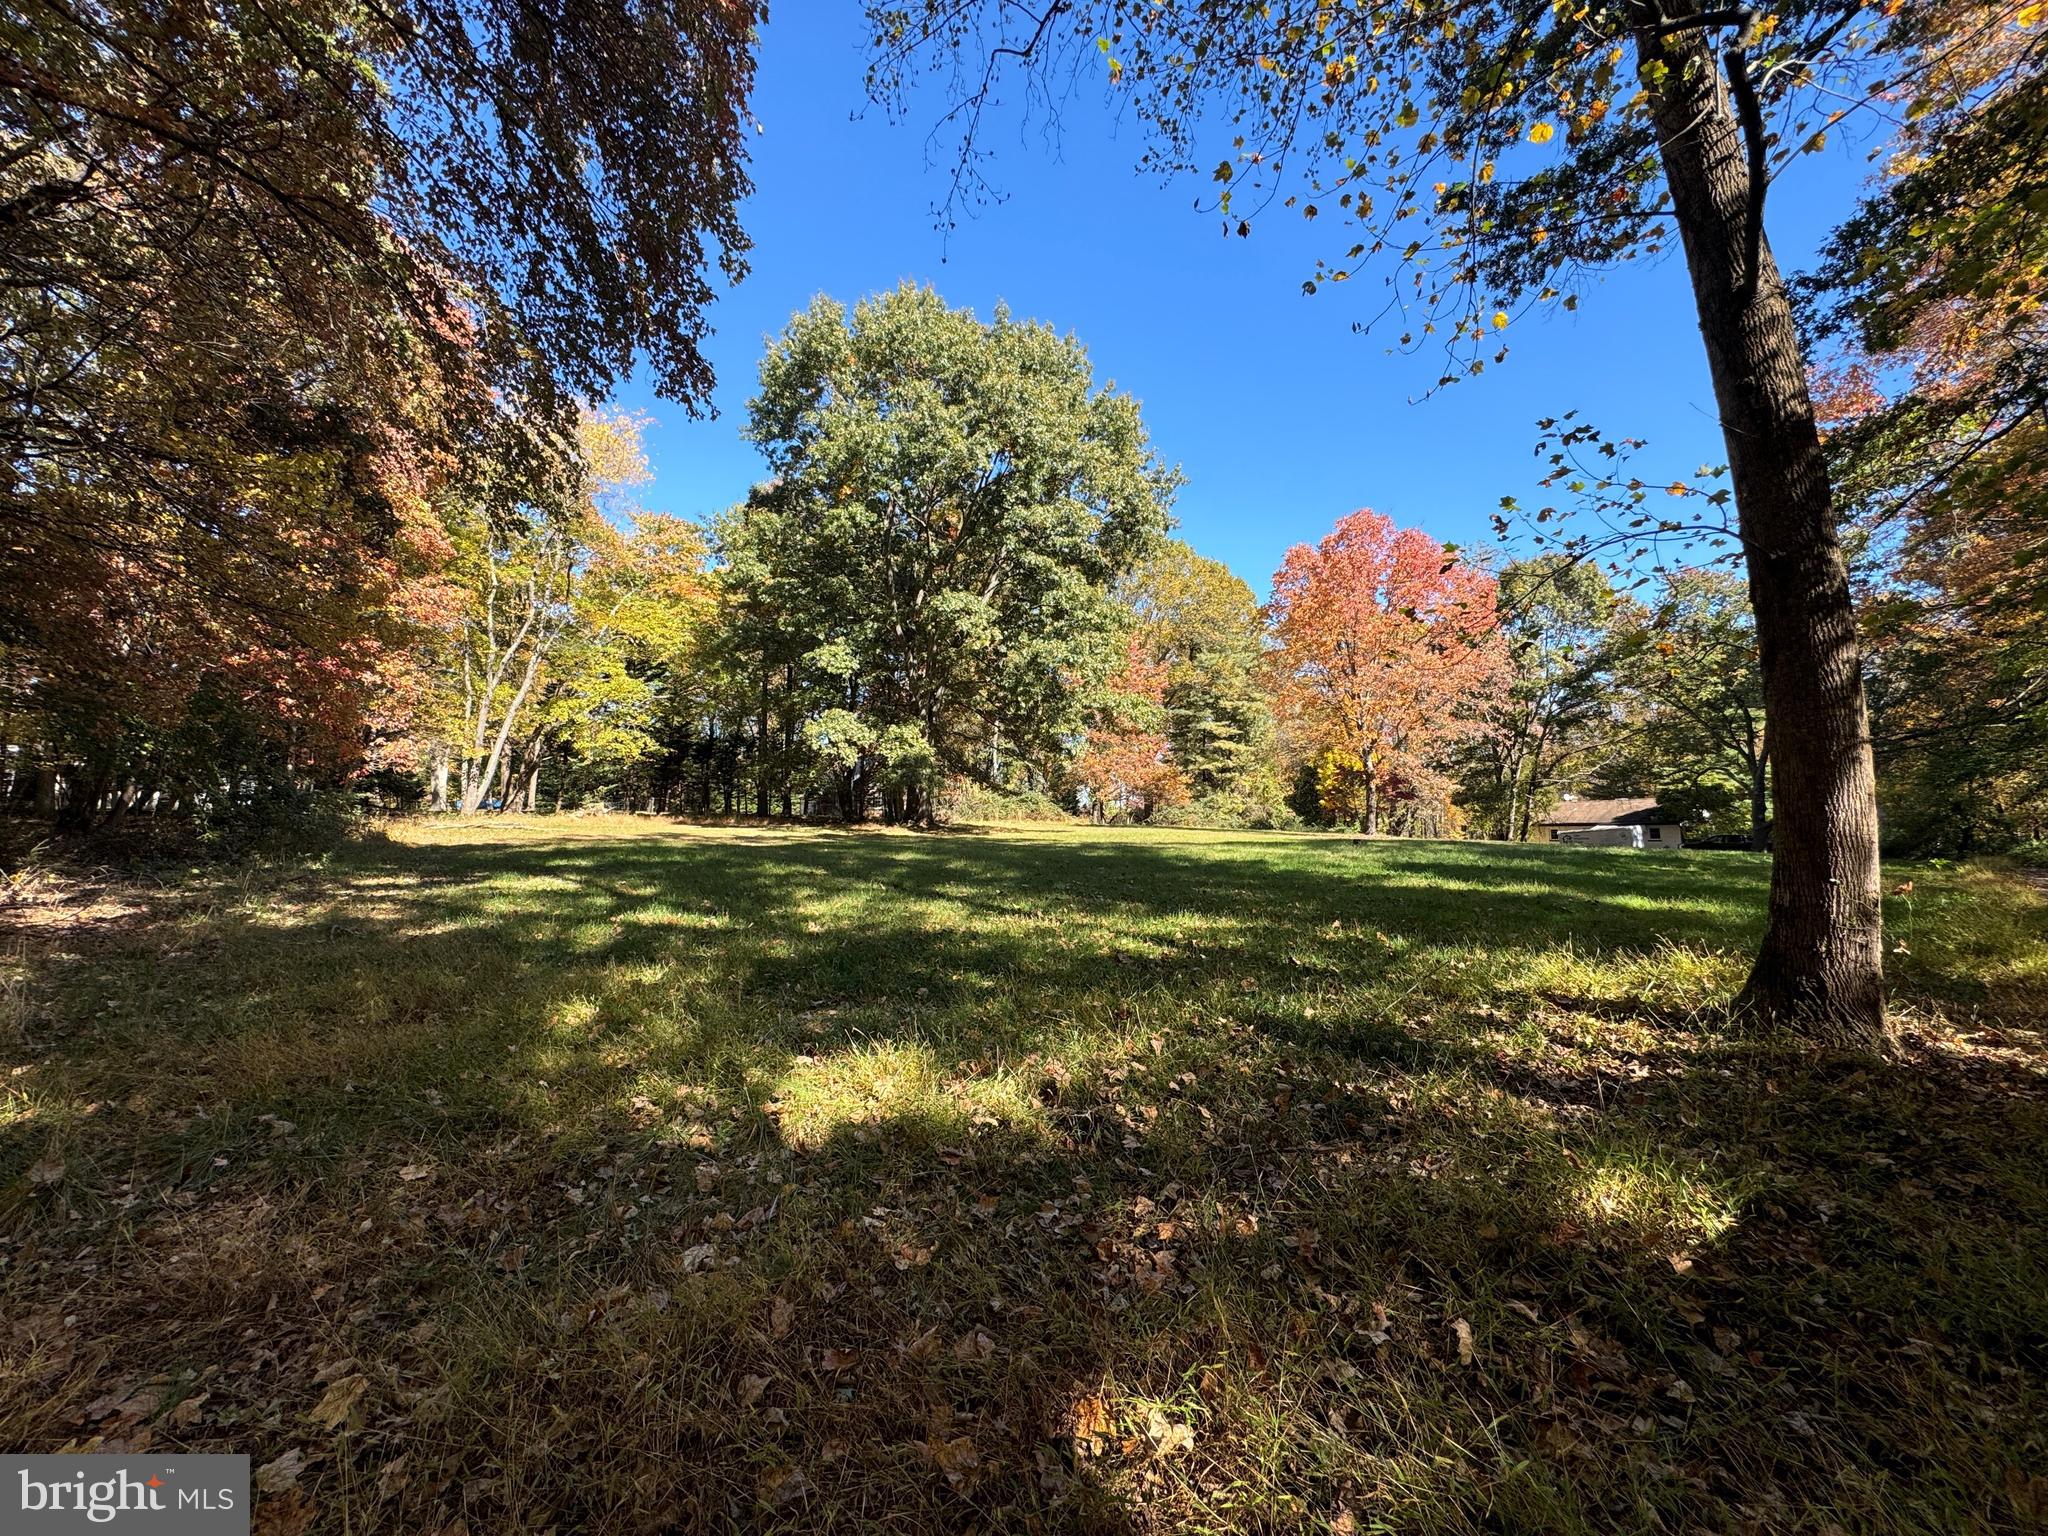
(1091, 1421)
(49, 1169)
(782, 1485)
(393, 1478)
(781, 1318)
(289, 1514)
(840, 1359)
(341, 1402)
(750, 1389)
(282, 1473)
(1462, 1332)
(698, 1256)
(973, 1346)
(186, 1414)
(1169, 1437)
(957, 1458)
(412, 1173)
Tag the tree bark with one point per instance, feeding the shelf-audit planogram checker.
(1759, 805)
(1820, 969)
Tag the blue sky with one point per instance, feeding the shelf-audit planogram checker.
(1281, 417)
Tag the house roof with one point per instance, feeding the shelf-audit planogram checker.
(1604, 813)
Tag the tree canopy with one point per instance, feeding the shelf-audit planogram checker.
(952, 504)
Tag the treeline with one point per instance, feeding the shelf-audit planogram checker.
(300, 504)
(956, 591)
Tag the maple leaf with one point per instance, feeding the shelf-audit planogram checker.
(341, 1402)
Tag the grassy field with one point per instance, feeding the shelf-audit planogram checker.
(615, 1176)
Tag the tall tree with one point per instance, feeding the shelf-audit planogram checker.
(1125, 762)
(952, 506)
(1691, 680)
(271, 274)
(1931, 310)
(1386, 651)
(1555, 616)
(1498, 153)
(1202, 623)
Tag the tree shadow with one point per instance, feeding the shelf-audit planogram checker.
(872, 1182)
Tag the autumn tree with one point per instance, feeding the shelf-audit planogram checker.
(1126, 761)
(953, 503)
(1386, 652)
(1497, 155)
(565, 608)
(1690, 687)
(271, 276)
(1202, 624)
(1928, 313)
(1552, 721)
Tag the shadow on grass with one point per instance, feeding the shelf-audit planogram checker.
(1014, 1182)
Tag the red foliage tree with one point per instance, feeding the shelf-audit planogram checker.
(1125, 762)
(1388, 646)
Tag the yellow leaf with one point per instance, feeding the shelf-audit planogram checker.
(1542, 133)
(1500, 320)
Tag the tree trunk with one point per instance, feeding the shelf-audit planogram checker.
(1820, 969)
(440, 778)
(1759, 805)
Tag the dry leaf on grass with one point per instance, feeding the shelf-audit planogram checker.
(282, 1473)
(782, 1485)
(393, 1478)
(288, 1514)
(1462, 1332)
(973, 1346)
(781, 1318)
(750, 1389)
(186, 1414)
(1169, 1437)
(957, 1458)
(698, 1257)
(1091, 1425)
(342, 1402)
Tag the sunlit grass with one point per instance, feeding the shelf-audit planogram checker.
(1414, 1183)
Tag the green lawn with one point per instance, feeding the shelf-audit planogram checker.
(615, 1176)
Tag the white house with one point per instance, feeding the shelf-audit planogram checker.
(1638, 823)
